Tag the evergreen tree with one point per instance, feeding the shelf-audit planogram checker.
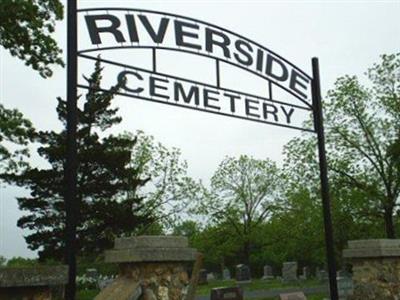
(107, 202)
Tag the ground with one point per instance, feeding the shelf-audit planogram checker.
(257, 288)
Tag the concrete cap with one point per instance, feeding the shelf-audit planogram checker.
(151, 241)
(33, 276)
(151, 249)
(372, 248)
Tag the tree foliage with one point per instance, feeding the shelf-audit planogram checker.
(15, 134)
(243, 193)
(26, 28)
(170, 189)
(107, 202)
(363, 124)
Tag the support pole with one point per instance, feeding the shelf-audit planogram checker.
(326, 202)
(70, 167)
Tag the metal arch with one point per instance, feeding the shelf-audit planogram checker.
(124, 9)
(199, 109)
(197, 83)
(201, 54)
(193, 81)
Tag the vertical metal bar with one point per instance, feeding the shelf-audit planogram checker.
(319, 128)
(70, 167)
(217, 72)
(154, 60)
(270, 89)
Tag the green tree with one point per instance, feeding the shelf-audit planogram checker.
(219, 244)
(15, 134)
(363, 124)
(107, 201)
(169, 191)
(26, 28)
(3, 261)
(243, 193)
(19, 262)
(188, 228)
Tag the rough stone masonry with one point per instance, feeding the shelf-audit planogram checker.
(150, 268)
(376, 268)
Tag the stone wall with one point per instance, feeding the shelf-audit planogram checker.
(150, 268)
(376, 269)
(376, 279)
(162, 281)
(34, 283)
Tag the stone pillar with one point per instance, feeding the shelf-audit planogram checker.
(35, 283)
(150, 268)
(376, 268)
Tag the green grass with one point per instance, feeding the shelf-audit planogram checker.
(256, 284)
(310, 297)
(87, 294)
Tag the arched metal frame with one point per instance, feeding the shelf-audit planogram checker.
(270, 81)
(185, 50)
(71, 157)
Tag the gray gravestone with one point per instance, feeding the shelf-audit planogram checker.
(289, 271)
(306, 274)
(343, 273)
(243, 273)
(92, 274)
(226, 274)
(268, 273)
(345, 287)
(210, 277)
(227, 293)
(202, 277)
(322, 275)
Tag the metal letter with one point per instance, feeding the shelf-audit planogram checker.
(180, 34)
(94, 30)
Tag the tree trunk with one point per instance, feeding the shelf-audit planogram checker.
(389, 225)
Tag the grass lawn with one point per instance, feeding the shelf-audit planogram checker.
(87, 294)
(256, 284)
(311, 297)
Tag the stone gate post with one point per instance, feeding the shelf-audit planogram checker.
(376, 268)
(150, 268)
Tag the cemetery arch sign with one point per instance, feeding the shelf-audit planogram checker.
(112, 28)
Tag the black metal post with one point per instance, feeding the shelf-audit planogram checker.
(71, 150)
(326, 203)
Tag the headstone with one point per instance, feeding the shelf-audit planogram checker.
(268, 273)
(210, 277)
(289, 271)
(293, 296)
(229, 293)
(322, 275)
(243, 273)
(104, 281)
(202, 277)
(92, 273)
(305, 274)
(345, 287)
(226, 274)
(343, 273)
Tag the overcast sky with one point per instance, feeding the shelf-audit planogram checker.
(347, 36)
